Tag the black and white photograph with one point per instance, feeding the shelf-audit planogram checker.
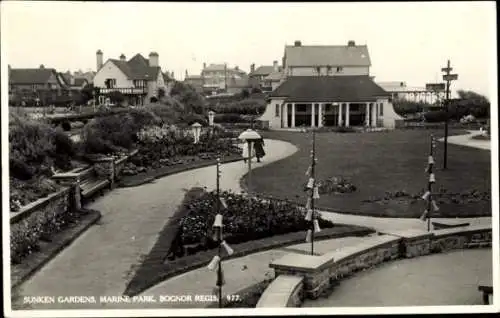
(245, 158)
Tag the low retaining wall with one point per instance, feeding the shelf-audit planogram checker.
(315, 275)
(26, 224)
(284, 291)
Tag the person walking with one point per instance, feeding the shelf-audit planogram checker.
(259, 148)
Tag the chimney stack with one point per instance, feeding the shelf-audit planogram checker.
(351, 43)
(186, 74)
(298, 43)
(275, 66)
(122, 57)
(252, 68)
(153, 59)
(42, 66)
(204, 65)
(99, 59)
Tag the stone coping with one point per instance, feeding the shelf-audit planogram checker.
(278, 293)
(409, 234)
(72, 174)
(362, 247)
(296, 264)
(301, 262)
(28, 209)
(462, 229)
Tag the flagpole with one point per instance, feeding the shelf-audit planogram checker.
(313, 189)
(219, 237)
(429, 187)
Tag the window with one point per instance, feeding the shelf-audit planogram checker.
(139, 83)
(339, 69)
(110, 82)
(381, 109)
(277, 110)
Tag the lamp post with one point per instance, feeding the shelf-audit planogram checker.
(448, 78)
(211, 115)
(196, 127)
(249, 136)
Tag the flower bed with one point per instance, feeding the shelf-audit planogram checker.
(245, 219)
(168, 145)
(334, 185)
(39, 222)
(157, 267)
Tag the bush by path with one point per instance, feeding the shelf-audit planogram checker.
(377, 163)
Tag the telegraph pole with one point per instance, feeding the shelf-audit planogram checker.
(448, 77)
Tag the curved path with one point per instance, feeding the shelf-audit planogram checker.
(412, 282)
(466, 140)
(100, 261)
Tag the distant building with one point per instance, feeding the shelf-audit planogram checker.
(328, 85)
(257, 77)
(36, 86)
(399, 90)
(139, 79)
(220, 78)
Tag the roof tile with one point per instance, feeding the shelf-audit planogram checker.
(329, 89)
(334, 55)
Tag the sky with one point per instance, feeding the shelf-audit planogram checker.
(407, 41)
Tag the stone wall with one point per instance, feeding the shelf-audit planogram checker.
(26, 224)
(319, 273)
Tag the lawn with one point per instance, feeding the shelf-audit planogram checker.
(377, 163)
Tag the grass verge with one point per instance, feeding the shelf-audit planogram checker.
(378, 163)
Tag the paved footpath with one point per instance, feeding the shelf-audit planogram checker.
(466, 140)
(99, 262)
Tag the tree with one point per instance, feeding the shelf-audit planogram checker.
(472, 103)
(161, 93)
(87, 93)
(116, 97)
(187, 95)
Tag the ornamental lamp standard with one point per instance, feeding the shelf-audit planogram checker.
(211, 115)
(196, 127)
(249, 136)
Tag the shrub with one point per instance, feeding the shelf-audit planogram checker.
(110, 133)
(244, 219)
(249, 106)
(66, 125)
(166, 113)
(116, 97)
(230, 118)
(435, 116)
(35, 147)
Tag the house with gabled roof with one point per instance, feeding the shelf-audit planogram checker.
(260, 77)
(220, 77)
(42, 85)
(138, 79)
(328, 85)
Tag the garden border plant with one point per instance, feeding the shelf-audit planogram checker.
(155, 269)
(149, 176)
